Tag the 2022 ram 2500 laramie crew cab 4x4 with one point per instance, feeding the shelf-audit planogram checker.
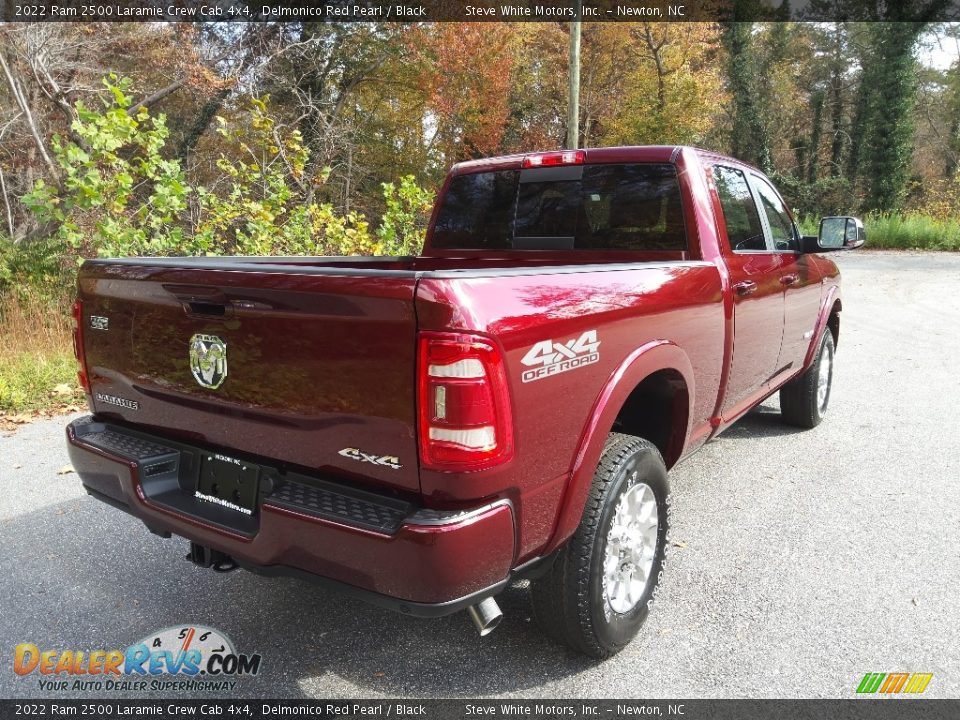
(421, 431)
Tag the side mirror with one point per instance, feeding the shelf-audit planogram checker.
(840, 233)
(836, 233)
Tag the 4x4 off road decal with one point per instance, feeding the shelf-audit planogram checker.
(548, 357)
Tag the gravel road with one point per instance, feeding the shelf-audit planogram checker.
(801, 561)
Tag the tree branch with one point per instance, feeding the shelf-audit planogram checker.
(25, 107)
(157, 96)
(6, 202)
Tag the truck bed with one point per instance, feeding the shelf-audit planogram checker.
(321, 351)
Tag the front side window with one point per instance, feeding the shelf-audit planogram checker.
(781, 226)
(740, 215)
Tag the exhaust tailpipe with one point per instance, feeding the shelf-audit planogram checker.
(486, 616)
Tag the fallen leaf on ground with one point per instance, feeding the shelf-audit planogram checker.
(679, 544)
(65, 470)
(62, 389)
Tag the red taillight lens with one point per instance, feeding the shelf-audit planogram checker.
(465, 419)
(82, 376)
(551, 159)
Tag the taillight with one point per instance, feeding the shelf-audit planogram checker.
(465, 420)
(552, 159)
(82, 376)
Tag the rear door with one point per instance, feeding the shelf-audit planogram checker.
(297, 367)
(758, 295)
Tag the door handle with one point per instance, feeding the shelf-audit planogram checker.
(745, 287)
(789, 279)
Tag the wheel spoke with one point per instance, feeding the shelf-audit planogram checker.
(630, 548)
(650, 533)
(824, 374)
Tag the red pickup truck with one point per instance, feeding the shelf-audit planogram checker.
(422, 431)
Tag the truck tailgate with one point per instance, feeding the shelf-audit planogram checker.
(303, 367)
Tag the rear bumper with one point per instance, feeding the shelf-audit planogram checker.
(384, 550)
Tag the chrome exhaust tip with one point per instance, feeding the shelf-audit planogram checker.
(486, 616)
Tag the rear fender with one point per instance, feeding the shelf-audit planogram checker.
(640, 364)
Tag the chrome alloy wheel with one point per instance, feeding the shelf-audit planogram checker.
(630, 549)
(823, 379)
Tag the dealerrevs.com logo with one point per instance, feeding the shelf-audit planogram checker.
(548, 358)
(187, 657)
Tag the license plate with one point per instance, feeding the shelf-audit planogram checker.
(229, 482)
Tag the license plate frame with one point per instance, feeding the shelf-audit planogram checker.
(229, 482)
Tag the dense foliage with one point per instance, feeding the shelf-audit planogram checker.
(323, 138)
(328, 138)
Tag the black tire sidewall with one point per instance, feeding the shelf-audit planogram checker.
(615, 631)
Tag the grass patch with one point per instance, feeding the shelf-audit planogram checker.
(909, 231)
(38, 373)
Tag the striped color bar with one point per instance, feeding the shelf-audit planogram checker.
(893, 683)
(918, 682)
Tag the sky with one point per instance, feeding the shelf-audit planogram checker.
(938, 51)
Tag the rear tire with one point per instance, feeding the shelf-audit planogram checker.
(599, 590)
(804, 400)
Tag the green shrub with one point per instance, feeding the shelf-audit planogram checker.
(37, 367)
(38, 380)
(403, 226)
(827, 195)
(912, 231)
(904, 231)
(118, 196)
(265, 206)
(43, 267)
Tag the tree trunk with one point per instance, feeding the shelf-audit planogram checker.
(951, 165)
(202, 123)
(573, 77)
(838, 137)
(16, 89)
(890, 130)
(816, 131)
(837, 144)
(658, 64)
(749, 141)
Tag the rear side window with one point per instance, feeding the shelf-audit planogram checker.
(739, 210)
(477, 211)
(592, 207)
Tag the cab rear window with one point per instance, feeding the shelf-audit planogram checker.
(633, 206)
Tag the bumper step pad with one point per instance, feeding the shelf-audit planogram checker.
(353, 507)
(168, 477)
(153, 459)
